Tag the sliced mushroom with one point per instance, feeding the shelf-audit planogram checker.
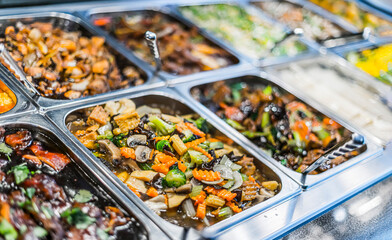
(157, 204)
(137, 139)
(112, 150)
(132, 164)
(143, 110)
(144, 175)
(136, 184)
(175, 200)
(142, 153)
(184, 189)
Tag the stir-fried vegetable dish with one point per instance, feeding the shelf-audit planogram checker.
(291, 132)
(43, 196)
(67, 64)
(249, 34)
(376, 62)
(175, 164)
(350, 11)
(7, 98)
(183, 50)
(315, 26)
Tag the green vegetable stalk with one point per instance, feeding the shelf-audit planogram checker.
(161, 126)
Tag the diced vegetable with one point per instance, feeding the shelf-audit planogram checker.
(229, 184)
(267, 90)
(214, 201)
(196, 190)
(206, 175)
(201, 210)
(216, 145)
(224, 171)
(225, 212)
(145, 166)
(152, 192)
(178, 144)
(270, 185)
(223, 193)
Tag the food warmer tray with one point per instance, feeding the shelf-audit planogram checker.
(39, 122)
(271, 220)
(168, 97)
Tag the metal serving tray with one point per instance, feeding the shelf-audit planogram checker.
(169, 99)
(352, 34)
(363, 46)
(364, 80)
(360, 5)
(166, 11)
(23, 103)
(70, 21)
(264, 78)
(311, 45)
(41, 124)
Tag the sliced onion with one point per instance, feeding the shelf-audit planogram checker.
(188, 208)
(238, 181)
(225, 171)
(104, 128)
(213, 183)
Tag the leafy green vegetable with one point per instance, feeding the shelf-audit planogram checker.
(225, 212)
(161, 144)
(21, 173)
(107, 135)
(201, 124)
(216, 145)
(174, 178)
(83, 196)
(196, 190)
(244, 177)
(7, 230)
(30, 192)
(5, 149)
(197, 157)
(76, 217)
(161, 126)
(102, 234)
(188, 136)
(120, 140)
(40, 232)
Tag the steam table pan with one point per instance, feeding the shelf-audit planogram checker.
(68, 22)
(143, 8)
(169, 100)
(42, 128)
(255, 78)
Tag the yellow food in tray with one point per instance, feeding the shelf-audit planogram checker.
(7, 98)
(376, 62)
(350, 11)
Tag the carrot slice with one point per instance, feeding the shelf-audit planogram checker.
(201, 210)
(152, 192)
(195, 130)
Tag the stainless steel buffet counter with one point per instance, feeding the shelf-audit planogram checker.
(302, 197)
